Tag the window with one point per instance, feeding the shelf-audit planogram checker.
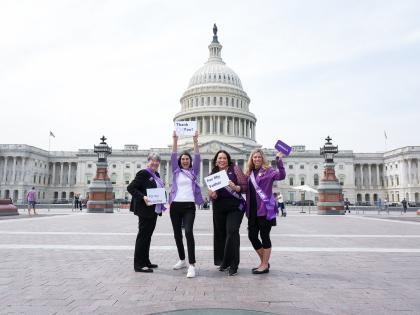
(113, 178)
(316, 167)
(290, 167)
(341, 167)
(316, 180)
(291, 181)
(302, 180)
(114, 166)
(89, 165)
(138, 165)
(396, 165)
(214, 100)
(127, 166)
(221, 101)
(302, 167)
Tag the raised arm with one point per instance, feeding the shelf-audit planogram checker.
(174, 142)
(197, 158)
(280, 173)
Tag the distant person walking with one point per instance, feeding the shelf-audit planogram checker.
(404, 204)
(76, 201)
(346, 205)
(31, 198)
(280, 202)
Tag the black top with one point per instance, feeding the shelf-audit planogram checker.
(137, 189)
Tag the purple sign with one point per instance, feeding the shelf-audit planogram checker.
(283, 147)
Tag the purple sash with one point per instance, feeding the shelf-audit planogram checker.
(270, 203)
(159, 207)
(189, 175)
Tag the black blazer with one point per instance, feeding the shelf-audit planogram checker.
(137, 189)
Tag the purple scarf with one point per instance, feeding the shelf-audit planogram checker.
(159, 183)
(270, 203)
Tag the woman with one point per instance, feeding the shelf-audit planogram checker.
(147, 213)
(261, 210)
(228, 211)
(185, 194)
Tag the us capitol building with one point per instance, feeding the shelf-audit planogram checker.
(216, 100)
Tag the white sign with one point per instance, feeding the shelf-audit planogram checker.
(185, 128)
(156, 195)
(217, 180)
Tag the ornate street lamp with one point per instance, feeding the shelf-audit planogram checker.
(329, 189)
(101, 198)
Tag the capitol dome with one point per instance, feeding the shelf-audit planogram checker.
(216, 100)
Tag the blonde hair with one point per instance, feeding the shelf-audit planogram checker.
(250, 164)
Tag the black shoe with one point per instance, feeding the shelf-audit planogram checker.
(259, 272)
(143, 269)
(233, 271)
(223, 268)
(152, 265)
(257, 267)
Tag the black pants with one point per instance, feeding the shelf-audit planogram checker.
(263, 227)
(227, 219)
(144, 237)
(184, 212)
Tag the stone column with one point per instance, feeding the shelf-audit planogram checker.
(418, 171)
(218, 125)
(61, 173)
(209, 166)
(370, 175)
(5, 168)
(361, 175)
(22, 177)
(211, 124)
(167, 173)
(53, 175)
(409, 172)
(378, 183)
(69, 174)
(13, 170)
(225, 127)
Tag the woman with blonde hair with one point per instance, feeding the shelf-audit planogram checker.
(260, 207)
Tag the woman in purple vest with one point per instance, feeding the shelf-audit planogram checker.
(185, 194)
(260, 209)
(228, 211)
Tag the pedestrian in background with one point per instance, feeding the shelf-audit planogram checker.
(31, 198)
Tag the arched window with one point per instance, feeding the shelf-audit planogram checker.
(291, 181)
(302, 180)
(397, 180)
(221, 101)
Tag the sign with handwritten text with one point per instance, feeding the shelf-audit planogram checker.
(217, 180)
(156, 195)
(185, 128)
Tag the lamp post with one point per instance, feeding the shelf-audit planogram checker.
(100, 190)
(330, 190)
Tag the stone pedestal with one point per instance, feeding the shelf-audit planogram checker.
(330, 193)
(101, 199)
(7, 208)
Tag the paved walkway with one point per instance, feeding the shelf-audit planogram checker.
(68, 262)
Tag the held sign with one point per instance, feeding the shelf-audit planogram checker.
(283, 148)
(185, 128)
(156, 195)
(217, 180)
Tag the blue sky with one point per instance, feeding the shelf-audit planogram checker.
(348, 69)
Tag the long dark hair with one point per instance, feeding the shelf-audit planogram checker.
(187, 154)
(215, 167)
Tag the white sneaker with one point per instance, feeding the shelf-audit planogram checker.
(180, 264)
(191, 272)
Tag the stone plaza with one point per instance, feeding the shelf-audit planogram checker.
(65, 262)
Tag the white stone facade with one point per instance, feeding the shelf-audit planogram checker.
(216, 100)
